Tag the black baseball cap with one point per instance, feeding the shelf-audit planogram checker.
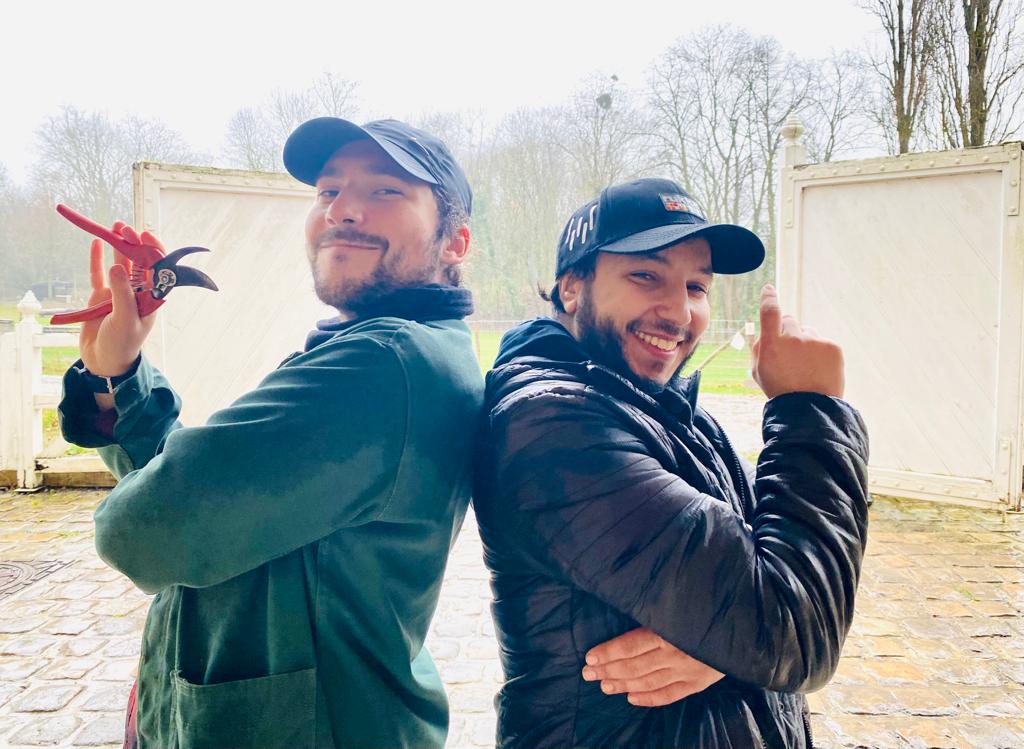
(648, 215)
(419, 153)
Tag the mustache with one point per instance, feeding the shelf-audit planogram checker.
(341, 234)
(662, 326)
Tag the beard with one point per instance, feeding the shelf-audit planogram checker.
(606, 345)
(351, 295)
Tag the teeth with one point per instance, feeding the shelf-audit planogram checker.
(662, 343)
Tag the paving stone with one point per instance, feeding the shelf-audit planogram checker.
(996, 609)
(104, 729)
(75, 608)
(443, 648)
(68, 668)
(76, 591)
(850, 671)
(891, 671)
(464, 672)
(990, 733)
(129, 647)
(8, 692)
(456, 625)
(19, 669)
(22, 609)
(470, 699)
(76, 647)
(114, 626)
(874, 627)
(108, 699)
(483, 733)
(481, 649)
(930, 627)
(45, 699)
(70, 625)
(930, 733)
(121, 670)
(121, 607)
(20, 626)
(990, 701)
(948, 608)
(978, 626)
(112, 590)
(53, 730)
(884, 647)
(863, 700)
(931, 701)
(967, 673)
(859, 731)
(33, 645)
(1013, 670)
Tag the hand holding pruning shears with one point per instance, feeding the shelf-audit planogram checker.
(119, 315)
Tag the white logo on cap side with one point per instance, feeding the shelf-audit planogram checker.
(581, 229)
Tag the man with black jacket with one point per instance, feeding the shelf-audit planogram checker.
(650, 589)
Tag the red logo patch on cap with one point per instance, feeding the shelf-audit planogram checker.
(682, 204)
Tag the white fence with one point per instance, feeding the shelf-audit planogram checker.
(24, 394)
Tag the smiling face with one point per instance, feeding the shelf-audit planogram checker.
(373, 229)
(643, 314)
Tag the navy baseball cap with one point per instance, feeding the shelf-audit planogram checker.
(648, 215)
(419, 153)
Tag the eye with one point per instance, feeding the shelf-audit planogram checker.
(696, 288)
(388, 192)
(326, 195)
(642, 276)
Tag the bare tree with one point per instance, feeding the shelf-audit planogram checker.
(908, 26)
(836, 113)
(709, 125)
(256, 135)
(85, 158)
(603, 132)
(979, 71)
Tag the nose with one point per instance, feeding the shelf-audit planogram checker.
(675, 308)
(344, 209)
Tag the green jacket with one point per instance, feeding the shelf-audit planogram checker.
(296, 542)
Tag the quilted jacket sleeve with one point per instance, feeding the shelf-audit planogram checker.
(768, 602)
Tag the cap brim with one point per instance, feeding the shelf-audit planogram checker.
(733, 248)
(313, 143)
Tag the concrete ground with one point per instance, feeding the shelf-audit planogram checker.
(935, 658)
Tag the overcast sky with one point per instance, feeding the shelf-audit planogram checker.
(193, 64)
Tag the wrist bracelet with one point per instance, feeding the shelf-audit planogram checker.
(103, 384)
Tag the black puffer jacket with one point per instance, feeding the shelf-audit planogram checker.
(603, 508)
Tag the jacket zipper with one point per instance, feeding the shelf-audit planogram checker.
(807, 728)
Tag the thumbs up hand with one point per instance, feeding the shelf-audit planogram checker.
(789, 358)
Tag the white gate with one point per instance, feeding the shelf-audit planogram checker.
(915, 264)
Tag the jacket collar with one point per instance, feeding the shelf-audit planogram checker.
(547, 339)
(418, 303)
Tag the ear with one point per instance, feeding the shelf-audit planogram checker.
(457, 247)
(569, 287)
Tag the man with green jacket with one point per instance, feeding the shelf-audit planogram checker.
(296, 542)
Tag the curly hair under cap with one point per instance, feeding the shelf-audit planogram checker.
(451, 216)
(583, 270)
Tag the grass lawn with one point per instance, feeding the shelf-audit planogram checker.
(728, 373)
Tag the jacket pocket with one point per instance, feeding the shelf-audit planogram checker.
(269, 712)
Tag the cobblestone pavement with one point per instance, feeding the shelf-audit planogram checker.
(935, 658)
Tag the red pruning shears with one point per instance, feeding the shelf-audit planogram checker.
(153, 273)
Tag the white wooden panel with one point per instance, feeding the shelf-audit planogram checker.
(214, 346)
(907, 288)
(915, 265)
